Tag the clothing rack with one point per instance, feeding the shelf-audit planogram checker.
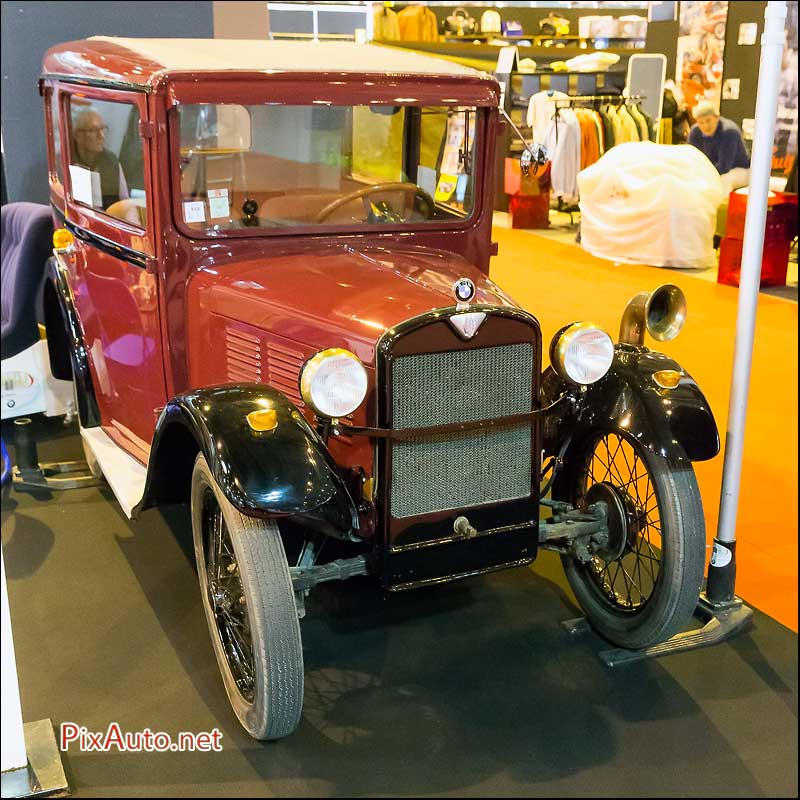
(567, 102)
(635, 98)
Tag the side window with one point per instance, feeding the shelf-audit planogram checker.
(106, 163)
(53, 124)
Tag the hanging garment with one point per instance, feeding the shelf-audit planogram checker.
(598, 124)
(629, 127)
(590, 150)
(620, 135)
(386, 26)
(563, 142)
(541, 108)
(418, 24)
(651, 125)
(608, 128)
(641, 124)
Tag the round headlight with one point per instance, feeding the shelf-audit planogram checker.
(582, 352)
(333, 382)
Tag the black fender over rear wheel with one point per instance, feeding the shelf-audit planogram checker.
(648, 588)
(250, 609)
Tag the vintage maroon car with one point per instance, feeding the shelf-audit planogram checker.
(270, 285)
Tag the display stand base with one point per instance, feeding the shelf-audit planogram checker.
(721, 621)
(44, 774)
(60, 475)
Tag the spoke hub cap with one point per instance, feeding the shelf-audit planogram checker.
(618, 519)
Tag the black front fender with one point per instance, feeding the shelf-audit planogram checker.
(671, 422)
(284, 472)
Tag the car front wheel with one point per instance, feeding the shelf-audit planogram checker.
(250, 609)
(642, 586)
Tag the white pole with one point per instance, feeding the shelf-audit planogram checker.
(721, 573)
(13, 738)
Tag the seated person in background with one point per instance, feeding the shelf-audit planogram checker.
(90, 152)
(721, 141)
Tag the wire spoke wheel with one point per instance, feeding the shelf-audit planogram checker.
(628, 581)
(227, 598)
(249, 604)
(641, 586)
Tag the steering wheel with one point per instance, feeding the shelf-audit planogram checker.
(408, 188)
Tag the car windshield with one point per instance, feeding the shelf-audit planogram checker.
(278, 166)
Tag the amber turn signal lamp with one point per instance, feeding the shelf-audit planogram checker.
(62, 239)
(367, 488)
(667, 378)
(263, 420)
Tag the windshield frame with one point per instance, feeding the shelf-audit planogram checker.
(393, 93)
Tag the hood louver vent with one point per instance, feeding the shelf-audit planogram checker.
(253, 359)
(243, 352)
(283, 370)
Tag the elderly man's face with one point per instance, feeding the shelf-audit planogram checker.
(708, 124)
(91, 134)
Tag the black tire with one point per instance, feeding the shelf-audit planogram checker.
(250, 609)
(649, 592)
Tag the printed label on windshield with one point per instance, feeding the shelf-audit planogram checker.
(194, 211)
(218, 205)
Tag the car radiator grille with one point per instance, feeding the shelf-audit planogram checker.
(450, 471)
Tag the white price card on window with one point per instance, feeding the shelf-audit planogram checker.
(86, 186)
(218, 205)
(426, 179)
(194, 211)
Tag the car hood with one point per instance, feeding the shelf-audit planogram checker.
(342, 296)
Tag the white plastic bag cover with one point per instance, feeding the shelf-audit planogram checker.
(646, 203)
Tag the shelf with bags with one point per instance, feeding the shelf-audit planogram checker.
(463, 47)
(548, 41)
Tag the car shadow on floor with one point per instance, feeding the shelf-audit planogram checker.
(429, 691)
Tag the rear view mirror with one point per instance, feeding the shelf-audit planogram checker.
(535, 156)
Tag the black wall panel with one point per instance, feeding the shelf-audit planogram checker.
(29, 29)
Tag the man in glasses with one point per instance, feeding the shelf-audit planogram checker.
(90, 151)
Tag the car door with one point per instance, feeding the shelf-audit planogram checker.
(114, 286)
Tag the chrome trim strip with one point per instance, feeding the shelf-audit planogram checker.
(98, 82)
(107, 246)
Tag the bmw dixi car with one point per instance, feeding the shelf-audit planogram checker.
(270, 288)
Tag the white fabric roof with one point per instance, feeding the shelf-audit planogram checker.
(282, 56)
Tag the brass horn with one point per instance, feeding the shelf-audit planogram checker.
(662, 312)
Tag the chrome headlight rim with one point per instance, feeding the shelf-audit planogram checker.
(564, 342)
(314, 370)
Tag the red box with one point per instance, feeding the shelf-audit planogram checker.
(781, 210)
(774, 262)
(780, 230)
(529, 210)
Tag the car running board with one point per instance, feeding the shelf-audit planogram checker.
(125, 475)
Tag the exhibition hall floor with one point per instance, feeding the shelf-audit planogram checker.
(471, 689)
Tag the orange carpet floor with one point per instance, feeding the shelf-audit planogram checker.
(560, 283)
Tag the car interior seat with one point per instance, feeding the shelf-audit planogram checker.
(27, 242)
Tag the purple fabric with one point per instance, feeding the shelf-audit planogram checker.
(27, 242)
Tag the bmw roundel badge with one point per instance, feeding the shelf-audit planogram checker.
(464, 290)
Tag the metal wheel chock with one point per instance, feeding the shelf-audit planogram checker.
(722, 620)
